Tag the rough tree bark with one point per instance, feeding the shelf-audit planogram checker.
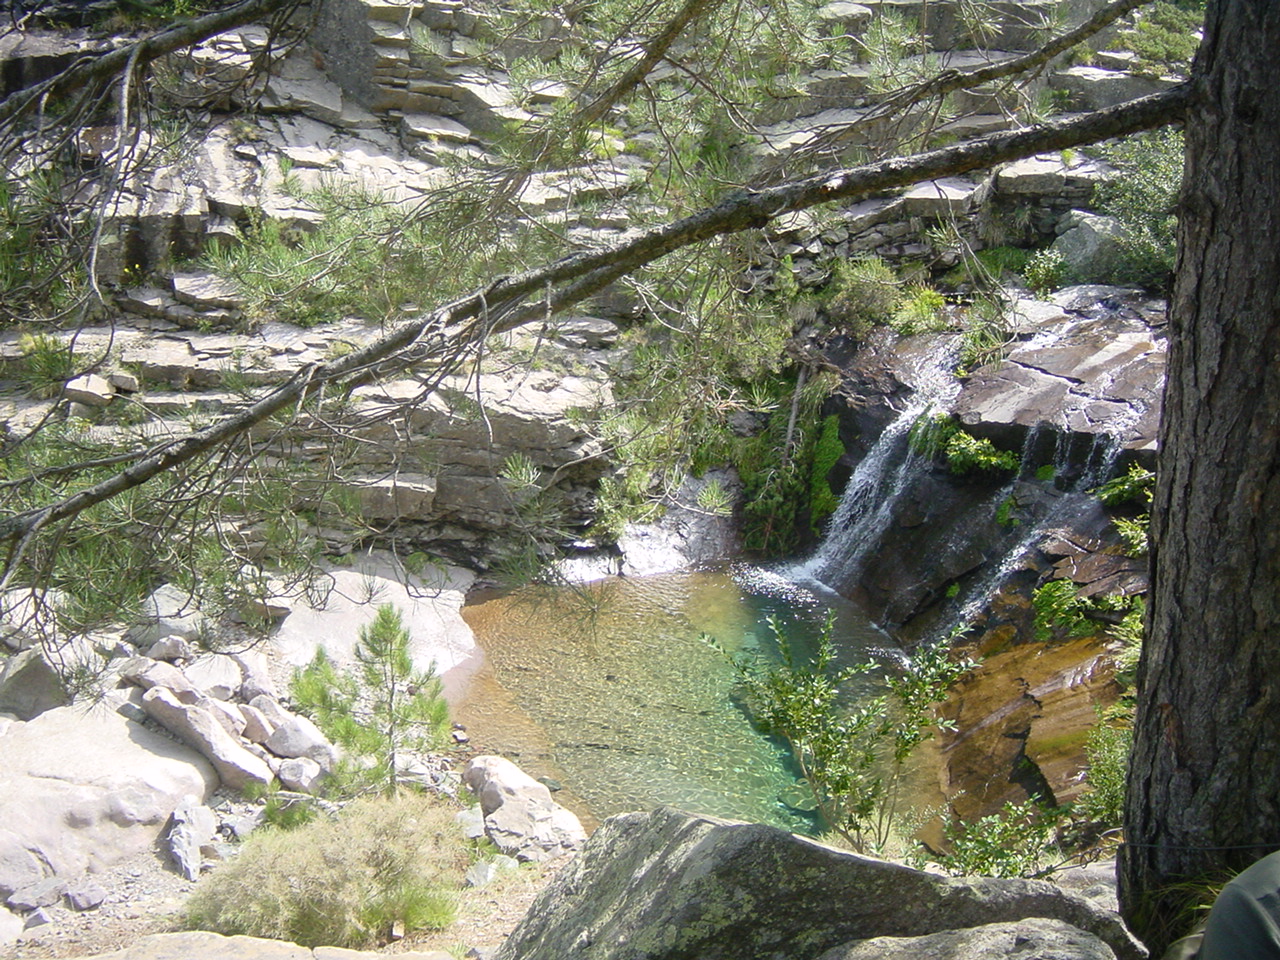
(1204, 790)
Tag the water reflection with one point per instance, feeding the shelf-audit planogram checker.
(610, 685)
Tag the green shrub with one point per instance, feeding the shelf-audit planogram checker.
(920, 311)
(1046, 271)
(1001, 260)
(862, 293)
(1165, 38)
(340, 882)
(852, 757)
(46, 365)
(1134, 484)
(1144, 198)
(1019, 841)
(967, 455)
(1107, 751)
(1060, 611)
(986, 334)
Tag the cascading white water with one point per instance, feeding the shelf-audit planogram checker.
(865, 506)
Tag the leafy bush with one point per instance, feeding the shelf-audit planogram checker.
(1107, 751)
(1165, 38)
(1019, 841)
(1046, 271)
(1144, 198)
(965, 454)
(861, 293)
(46, 365)
(968, 455)
(384, 709)
(340, 882)
(1060, 611)
(1134, 484)
(852, 757)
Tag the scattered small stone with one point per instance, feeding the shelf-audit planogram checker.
(91, 390)
(86, 895)
(484, 872)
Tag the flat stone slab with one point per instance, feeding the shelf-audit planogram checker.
(1098, 375)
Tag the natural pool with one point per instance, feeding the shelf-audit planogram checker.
(608, 687)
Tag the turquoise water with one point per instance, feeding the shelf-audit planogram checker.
(621, 700)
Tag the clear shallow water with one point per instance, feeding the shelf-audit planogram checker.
(610, 685)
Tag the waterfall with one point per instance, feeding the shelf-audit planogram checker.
(865, 508)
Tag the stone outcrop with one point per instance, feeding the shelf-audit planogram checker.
(1024, 940)
(675, 886)
(1093, 372)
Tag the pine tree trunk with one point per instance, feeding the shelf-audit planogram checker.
(1204, 788)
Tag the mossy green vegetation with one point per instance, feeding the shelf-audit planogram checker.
(940, 435)
(1144, 197)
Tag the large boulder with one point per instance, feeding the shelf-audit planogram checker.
(1093, 246)
(675, 886)
(82, 788)
(519, 815)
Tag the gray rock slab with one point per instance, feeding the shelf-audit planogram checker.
(86, 894)
(104, 794)
(299, 737)
(255, 669)
(519, 815)
(1025, 940)
(171, 648)
(194, 825)
(147, 673)
(215, 674)
(90, 389)
(430, 602)
(169, 611)
(301, 773)
(207, 946)
(18, 866)
(672, 885)
(42, 893)
(11, 927)
(207, 290)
